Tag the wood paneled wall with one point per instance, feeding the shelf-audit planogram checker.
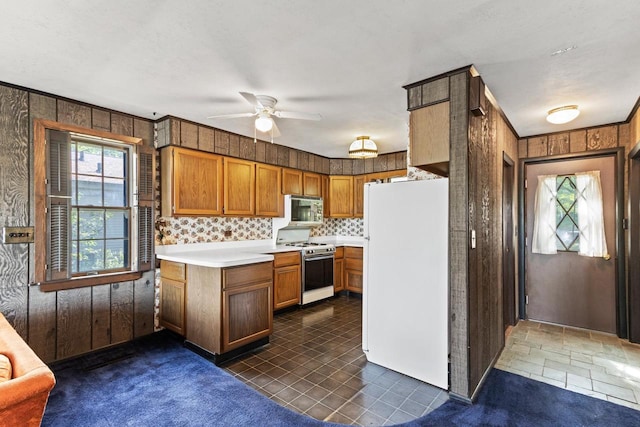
(489, 137)
(176, 131)
(64, 323)
(477, 147)
(585, 139)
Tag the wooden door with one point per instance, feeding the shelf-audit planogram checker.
(292, 181)
(358, 195)
(269, 200)
(508, 253)
(325, 195)
(429, 138)
(239, 187)
(566, 288)
(338, 270)
(194, 181)
(241, 326)
(341, 195)
(312, 184)
(286, 286)
(172, 314)
(353, 260)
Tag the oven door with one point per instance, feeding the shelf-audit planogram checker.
(317, 273)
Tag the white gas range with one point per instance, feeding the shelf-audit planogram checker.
(317, 263)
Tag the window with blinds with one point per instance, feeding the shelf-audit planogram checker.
(98, 204)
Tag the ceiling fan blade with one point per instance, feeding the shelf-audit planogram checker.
(294, 115)
(275, 130)
(251, 99)
(232, 116)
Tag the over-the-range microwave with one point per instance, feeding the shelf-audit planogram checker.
(306, 211)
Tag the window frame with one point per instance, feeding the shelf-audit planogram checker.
(40, 193)
(559, 207)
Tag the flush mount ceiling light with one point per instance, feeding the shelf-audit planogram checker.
(363, 148)
(562, 115)
(264, 123)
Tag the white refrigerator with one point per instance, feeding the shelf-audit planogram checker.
(406, 292)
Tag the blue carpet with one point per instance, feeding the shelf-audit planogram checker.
(157, 382)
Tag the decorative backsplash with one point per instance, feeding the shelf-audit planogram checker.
(415, 174)
(182, 230)
(339, 227)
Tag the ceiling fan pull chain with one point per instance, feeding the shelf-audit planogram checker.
(272, 135)
(255, 140)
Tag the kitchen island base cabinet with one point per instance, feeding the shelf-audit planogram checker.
(172, 296)
(229, 308)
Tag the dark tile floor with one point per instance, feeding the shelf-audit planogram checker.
(314, 365)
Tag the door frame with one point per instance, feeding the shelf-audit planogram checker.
(508, 297)
(634, 243)
(620, 286)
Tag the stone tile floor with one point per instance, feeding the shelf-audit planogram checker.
(314, 365)
(588, 362)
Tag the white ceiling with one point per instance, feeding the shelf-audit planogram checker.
(344, 59)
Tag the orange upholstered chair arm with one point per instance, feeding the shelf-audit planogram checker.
(24, 397)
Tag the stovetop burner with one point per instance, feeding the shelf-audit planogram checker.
(305, 244)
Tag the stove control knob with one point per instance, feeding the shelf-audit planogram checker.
(310, 251)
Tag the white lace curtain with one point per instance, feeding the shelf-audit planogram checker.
(589, 211)
(590, 215)
(544, 222)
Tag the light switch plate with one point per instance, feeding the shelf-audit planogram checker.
(17, 235)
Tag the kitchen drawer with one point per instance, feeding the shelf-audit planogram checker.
(353, 252)
(233, 277)
(286, 258)
(173, 270)
(339, 252)
(353, 264)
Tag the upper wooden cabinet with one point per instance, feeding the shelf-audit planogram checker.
(341, 196)
(325, 194)
(269, 200)
(239, 187)
(386, 175)
(358, 195)
(429, 138)
(292, 181)
(312, 184)
(191, 182)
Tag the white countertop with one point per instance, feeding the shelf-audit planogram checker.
(230, 254)
(340, 240)
(222, 254)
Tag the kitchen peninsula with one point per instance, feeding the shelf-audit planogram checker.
(219, 296)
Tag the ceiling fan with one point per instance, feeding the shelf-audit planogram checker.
(265, 111)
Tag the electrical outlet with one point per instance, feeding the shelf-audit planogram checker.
(228, 233)
(17, 235)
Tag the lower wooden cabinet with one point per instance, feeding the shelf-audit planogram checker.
(227, 308)
(246, 314)
(286, 279)
(353, 269)
(338, 270)
(172, 296)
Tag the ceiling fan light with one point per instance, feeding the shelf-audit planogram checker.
(363, 148)
(264, 123)
(563, 115)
